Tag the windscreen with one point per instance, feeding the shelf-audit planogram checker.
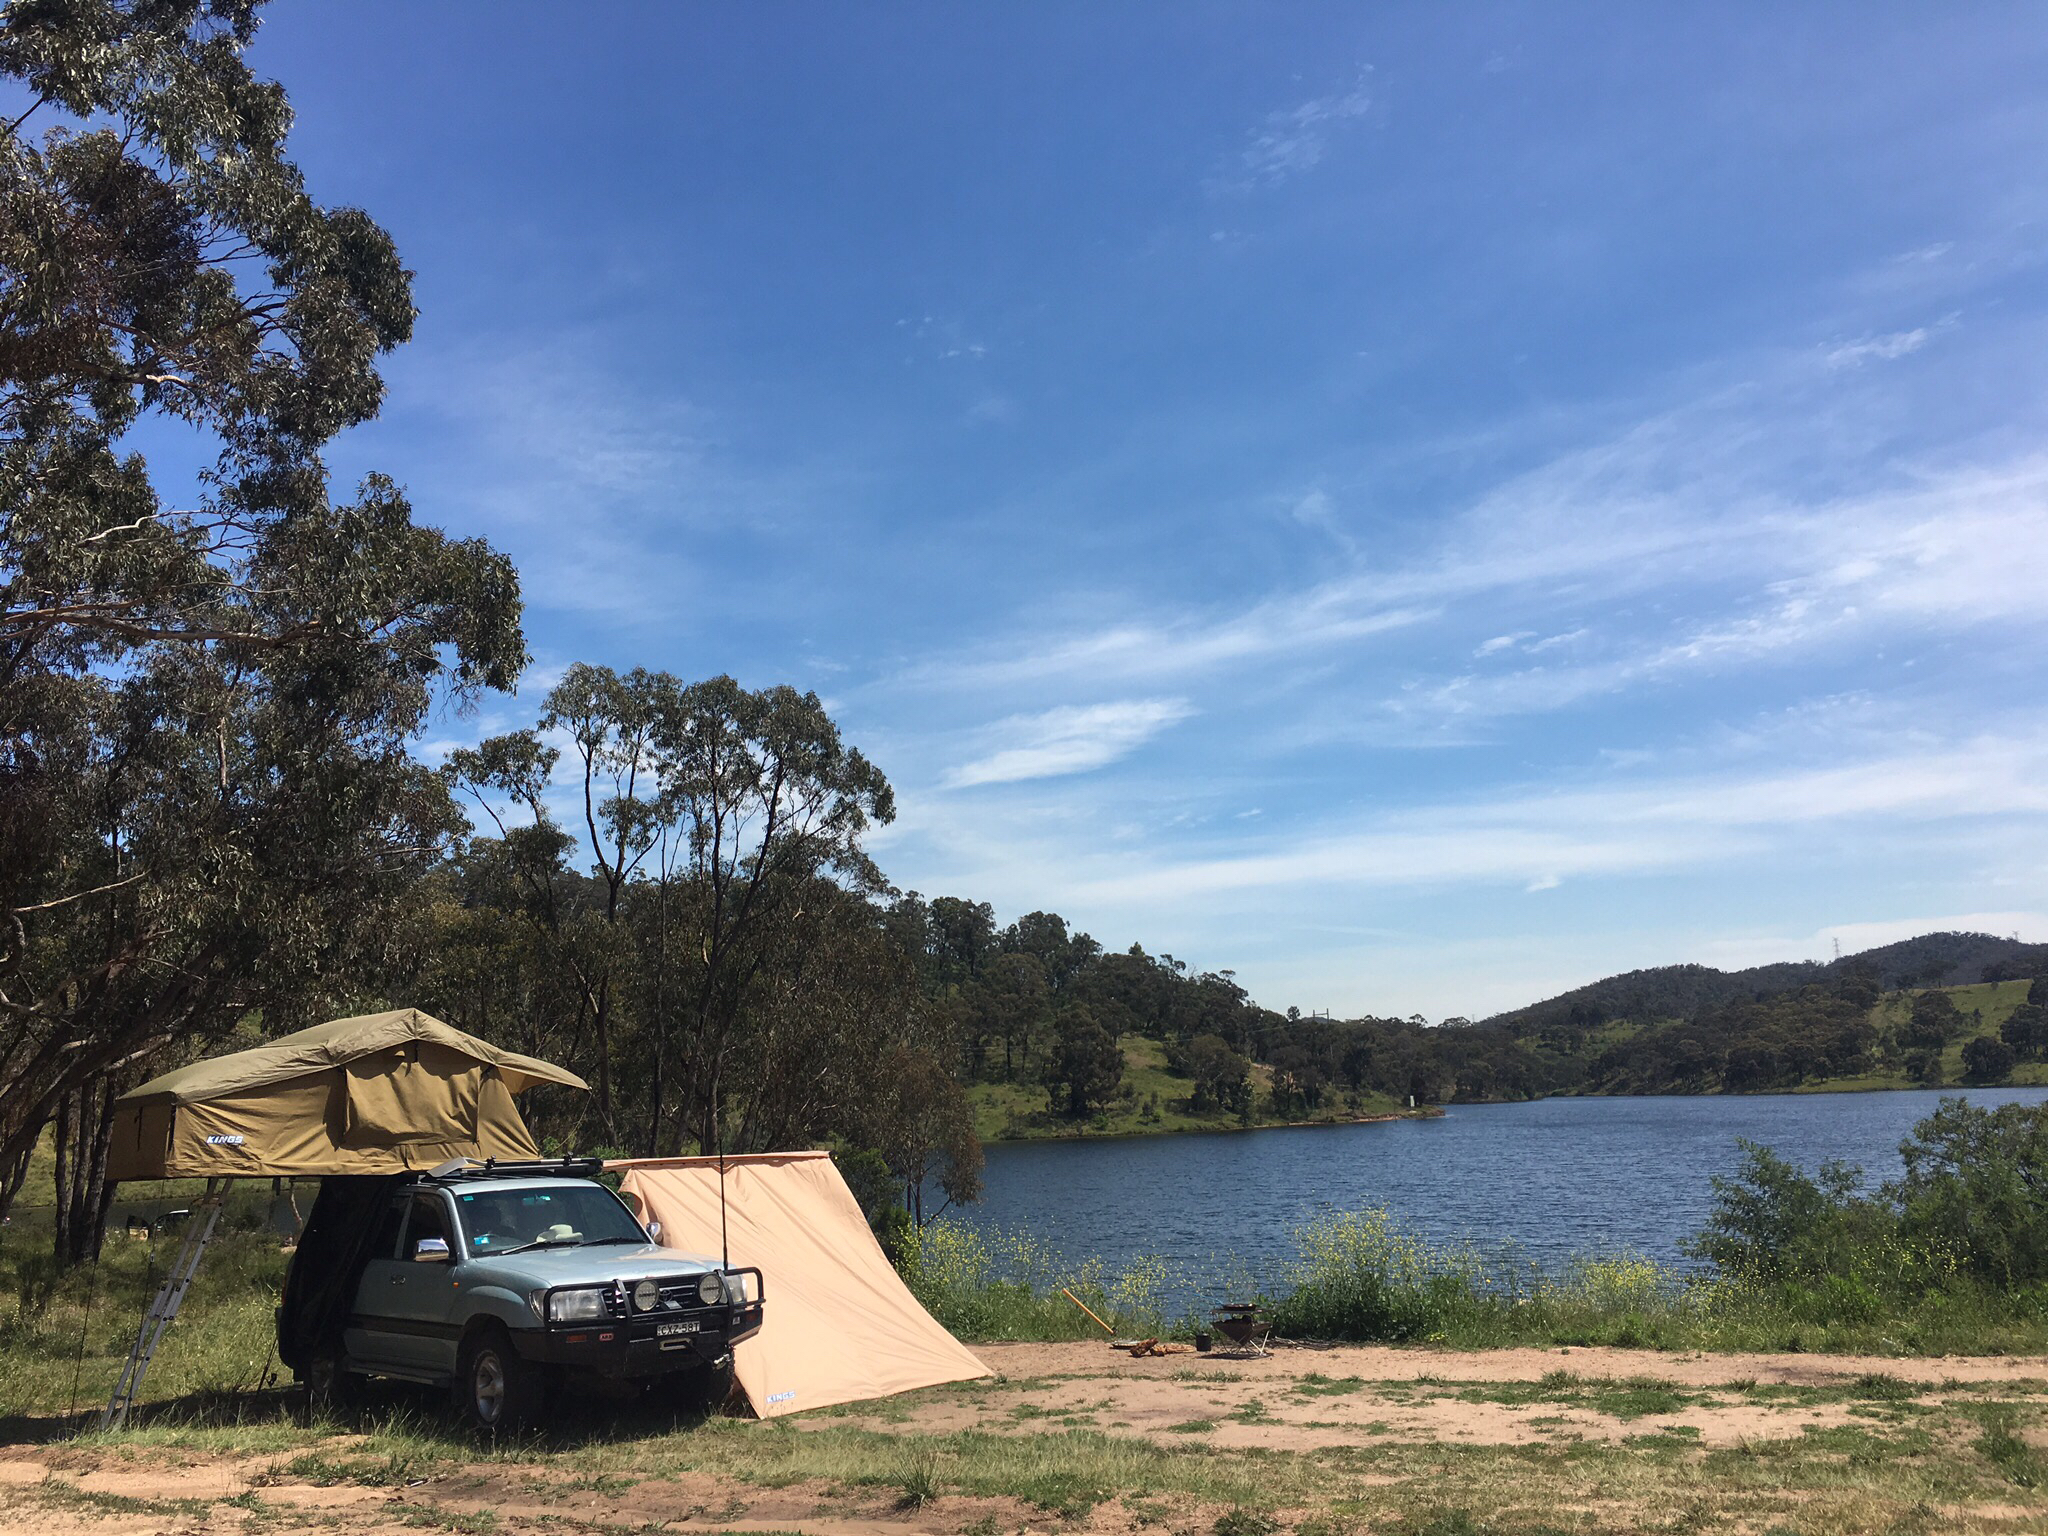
(559, 1215)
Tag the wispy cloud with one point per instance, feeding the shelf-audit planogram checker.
(1071, 739)
(1180, 646)
(1959, 552)
(1294, 139)
(614, 493)
(1878, 349)
(1537, 840)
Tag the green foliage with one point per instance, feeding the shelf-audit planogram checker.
(1771, 1222)
(1222, 1078)
(2025, 1030)
(205, 798)
(1988, 1060)
(1361, 1277)
(1006, 1285)
(1086, 1067)
(1976, 1188)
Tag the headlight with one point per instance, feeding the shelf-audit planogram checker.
(576, 1307)
(711, 1289)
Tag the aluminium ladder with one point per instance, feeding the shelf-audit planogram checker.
(169, 1297)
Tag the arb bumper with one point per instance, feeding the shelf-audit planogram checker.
(642, 1346)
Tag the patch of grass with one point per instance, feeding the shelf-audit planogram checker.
(920, 1480)
(394, 1469)
(1245, 1522)
(599, 1482)
(1315, 1384)
(1192, 1427)
(2017, 1461)
(433, 1517)
(1635, 1398)
(65, 1494)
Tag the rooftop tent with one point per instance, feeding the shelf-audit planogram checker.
(839, 1326)
(382, 1093)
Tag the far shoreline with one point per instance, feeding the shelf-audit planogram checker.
(1421, 1112)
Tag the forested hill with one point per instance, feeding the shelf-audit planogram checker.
(1682, 991)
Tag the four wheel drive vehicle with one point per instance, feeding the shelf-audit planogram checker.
(495, 1279)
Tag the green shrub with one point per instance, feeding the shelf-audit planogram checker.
(995, 1284)
(1771, 1222)
(1976, 1187)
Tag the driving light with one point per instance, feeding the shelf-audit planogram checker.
(576, 1307)
(646, 1296)
(711, 1290)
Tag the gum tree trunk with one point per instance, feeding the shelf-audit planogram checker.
(84, 1126)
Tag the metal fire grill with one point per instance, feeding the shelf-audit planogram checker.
(1240, 1323)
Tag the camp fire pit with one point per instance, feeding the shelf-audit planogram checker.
(1240, 1323)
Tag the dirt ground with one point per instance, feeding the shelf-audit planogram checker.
(1376, 1414)
(1367, 1386)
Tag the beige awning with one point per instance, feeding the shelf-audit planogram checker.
(839, 1326)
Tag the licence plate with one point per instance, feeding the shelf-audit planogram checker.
(670, 1330)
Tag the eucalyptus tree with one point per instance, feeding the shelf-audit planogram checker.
(722, 827)
(771, 800)
(207, 682)
(611, 783)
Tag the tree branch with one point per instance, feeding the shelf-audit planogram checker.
(44, 906)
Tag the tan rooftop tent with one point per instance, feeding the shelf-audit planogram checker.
(382, 1093)
(839, 1325)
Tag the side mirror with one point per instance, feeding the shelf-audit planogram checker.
(654, 1231)
(431, 1250)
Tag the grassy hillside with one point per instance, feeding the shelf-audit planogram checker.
(1154, 1101)
(1671, 992)
(1986, 1005)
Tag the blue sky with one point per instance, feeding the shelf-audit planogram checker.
(1424, 506)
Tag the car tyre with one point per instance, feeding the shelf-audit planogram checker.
(711, 1391)
(332, 1389)
(496, 1391)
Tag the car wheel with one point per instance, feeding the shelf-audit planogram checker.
(331, 1387)
(709, 1391)
(495, 1390)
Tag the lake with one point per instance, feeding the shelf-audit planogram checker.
(1557, 1177)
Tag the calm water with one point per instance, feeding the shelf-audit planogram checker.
(1557, 1177)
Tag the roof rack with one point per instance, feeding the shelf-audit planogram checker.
(493, 1167)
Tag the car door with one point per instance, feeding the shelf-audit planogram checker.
(370, 1337)
(421, 1295)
